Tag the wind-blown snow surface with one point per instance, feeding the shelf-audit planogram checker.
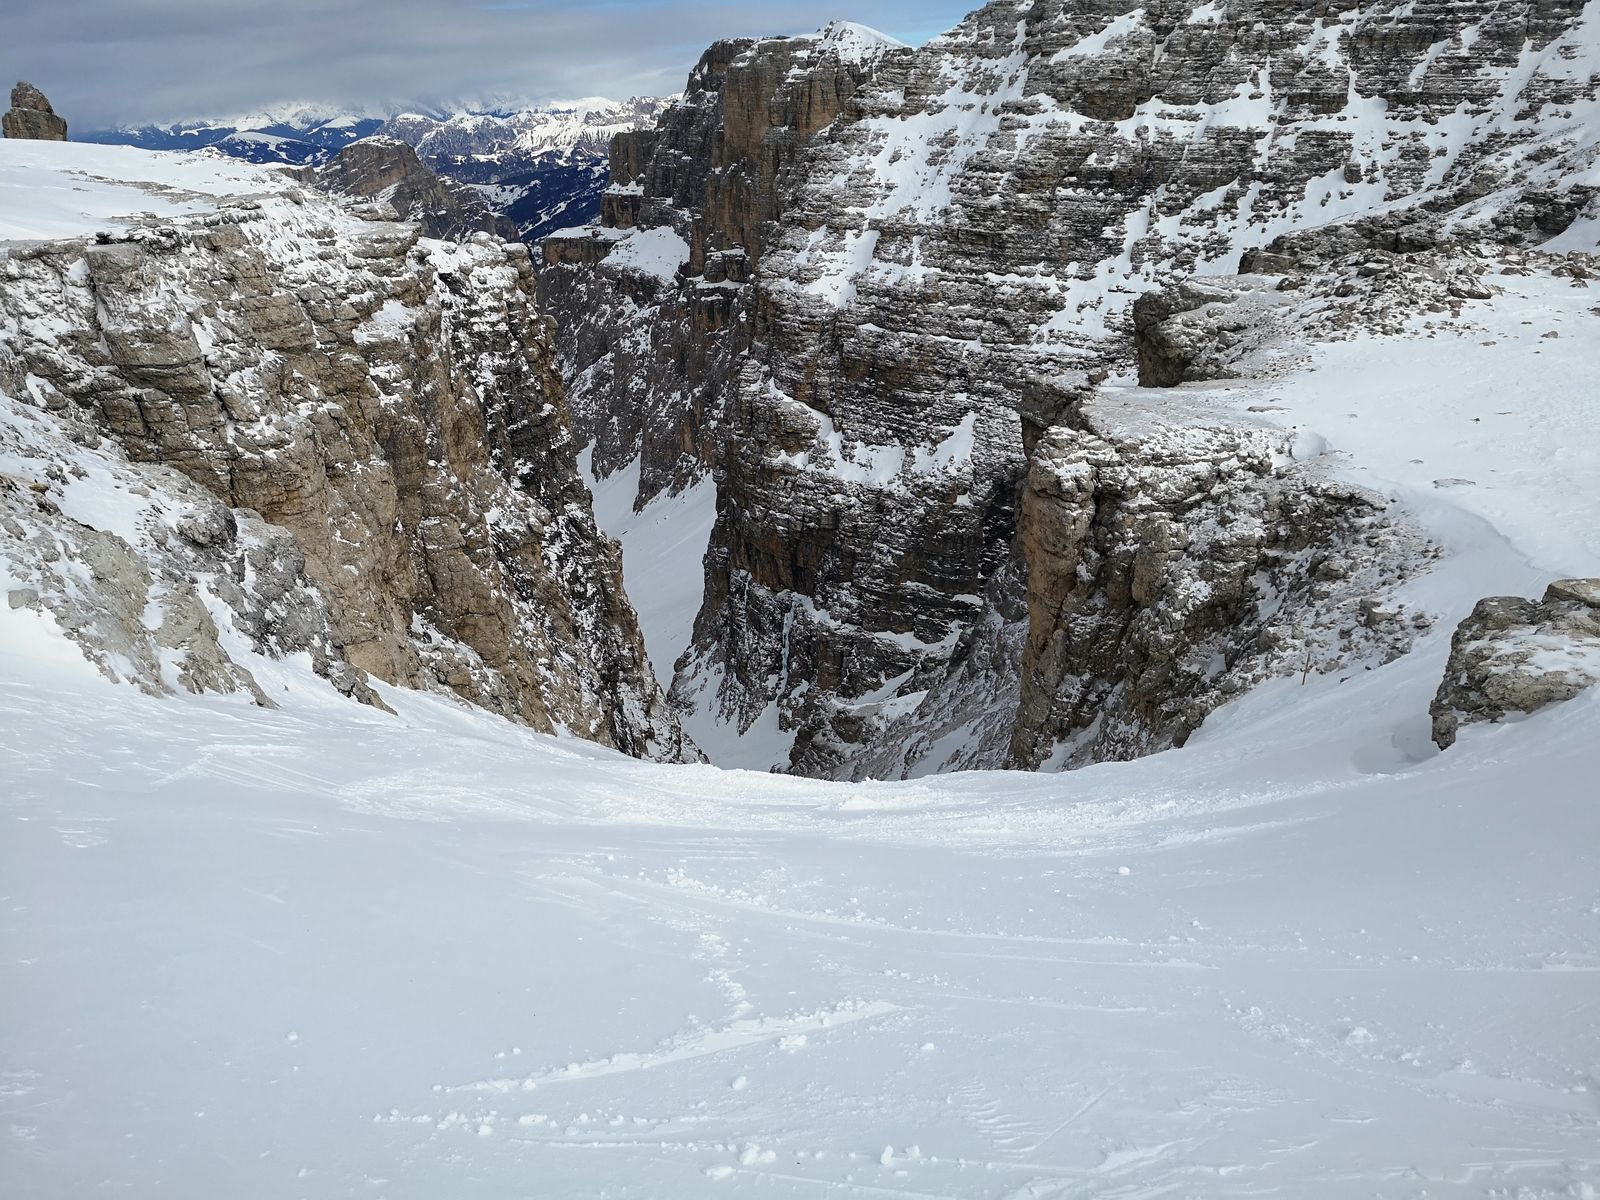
(67, 189)
(326, 952)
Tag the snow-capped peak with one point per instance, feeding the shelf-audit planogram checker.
(856, 43)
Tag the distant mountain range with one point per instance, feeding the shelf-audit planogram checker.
(543, 167)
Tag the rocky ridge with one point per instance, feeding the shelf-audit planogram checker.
(340, 439)
(945, 262)
(388, 172)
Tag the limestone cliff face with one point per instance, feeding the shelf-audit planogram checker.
(383, 413)
(956, 256)
(653, 304)
(897, 279)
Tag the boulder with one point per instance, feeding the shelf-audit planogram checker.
(31, 117)
(1516, 656)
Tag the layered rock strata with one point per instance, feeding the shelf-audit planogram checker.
(380, 414)
(956, 258)
(935, 547)
(653, 303)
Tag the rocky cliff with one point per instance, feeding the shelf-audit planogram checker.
(935, 547)
(653, 303)
(330, 436)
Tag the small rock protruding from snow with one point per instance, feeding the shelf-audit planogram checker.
(1514, 656)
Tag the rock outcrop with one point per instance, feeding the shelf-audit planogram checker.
(388, 171)
(31, 117)
(1173, 563)
(343, 405)
(1514, 656)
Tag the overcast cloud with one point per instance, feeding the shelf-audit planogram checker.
(113, 62)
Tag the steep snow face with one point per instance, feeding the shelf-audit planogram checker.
(663, 551)
(855, 43)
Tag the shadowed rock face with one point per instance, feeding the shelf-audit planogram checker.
(1514, 656)
(31, 117)
(653, 360)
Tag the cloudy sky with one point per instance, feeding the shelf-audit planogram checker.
(111, 62)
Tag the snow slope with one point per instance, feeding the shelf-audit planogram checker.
(663, 554)
(327, 952)
(66, 189)
(323, 952)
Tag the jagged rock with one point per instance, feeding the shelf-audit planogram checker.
(381, 414)
(31, 117)
(1185, 332)
(1172, 564)
(955, 253)
(387, 170)
(1514, 656)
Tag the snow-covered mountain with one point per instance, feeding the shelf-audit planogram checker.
(1116, 493)
(542, 167)
(299, 133)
